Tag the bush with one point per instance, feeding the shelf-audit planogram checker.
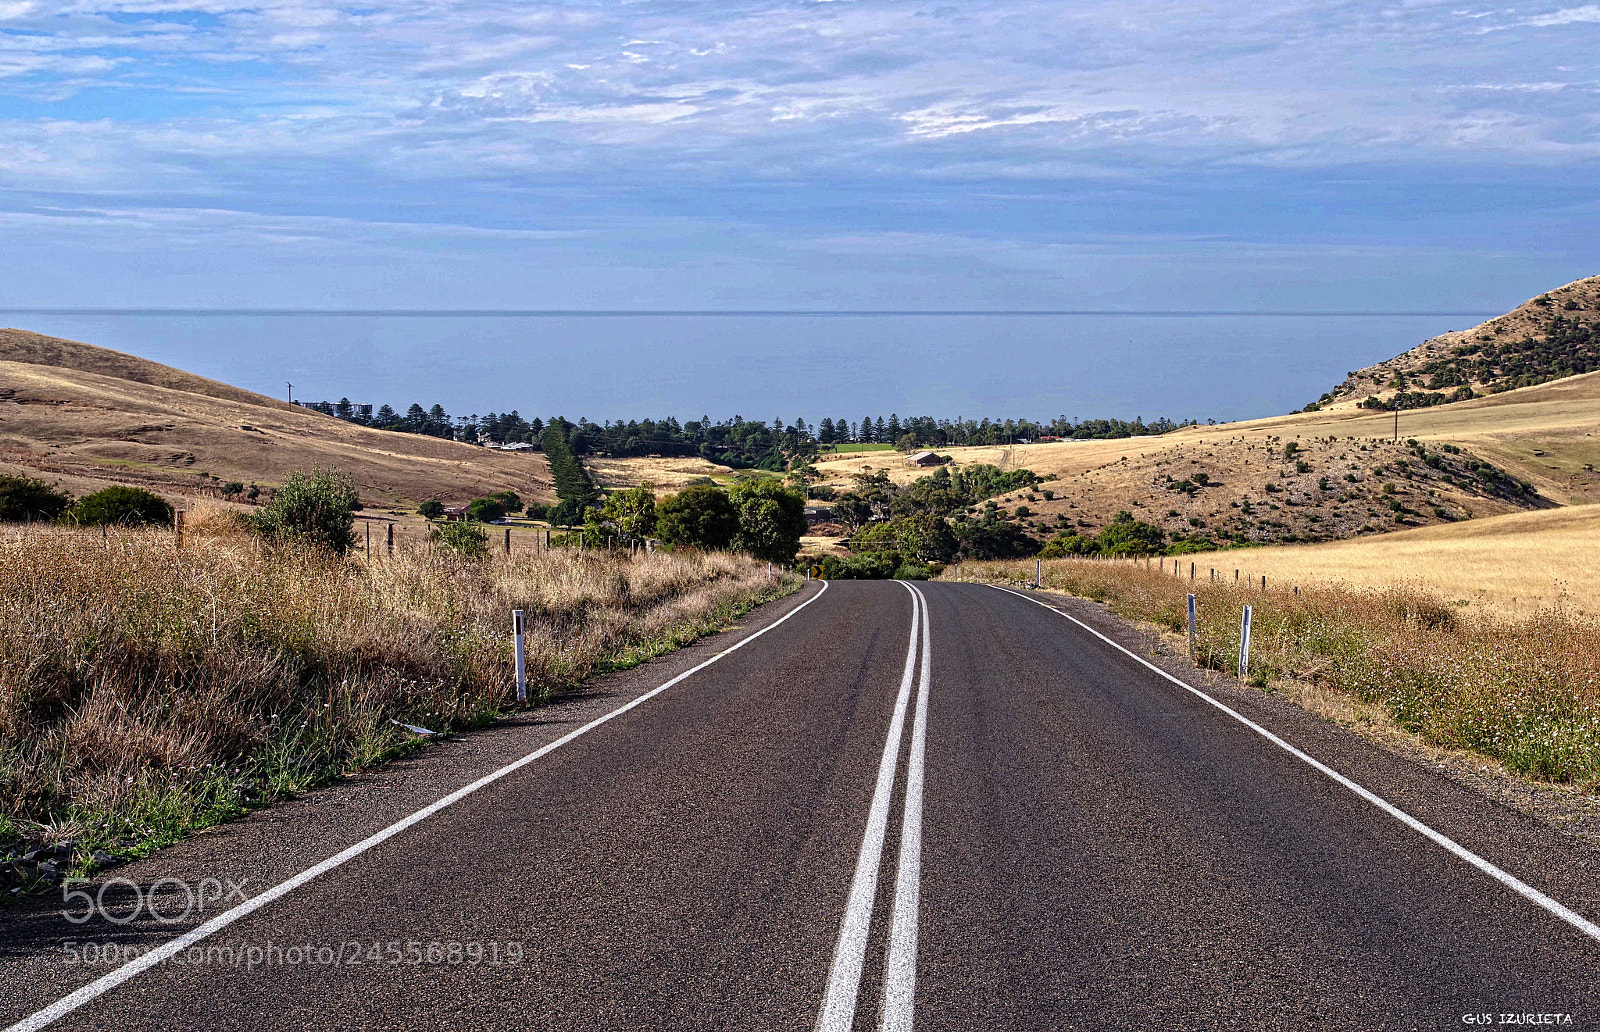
(866, 566)
(232, 487)
(315, 508)
(509, 499)
(700, 516)
(22, 498)
(485, 510)
(772, 519)
(122, 507)
(464, 539)
(536, 511)
(431, 509)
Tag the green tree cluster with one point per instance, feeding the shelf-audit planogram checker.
(627, 516)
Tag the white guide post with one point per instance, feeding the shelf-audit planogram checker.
(522, 656)
(1191, 627)
(1244, 644)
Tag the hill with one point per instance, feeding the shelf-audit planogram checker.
(85, 417)
(1525, 449)
(1548, 337)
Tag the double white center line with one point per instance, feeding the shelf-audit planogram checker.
(900, 970)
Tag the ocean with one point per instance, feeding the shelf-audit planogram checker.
(1222, 366)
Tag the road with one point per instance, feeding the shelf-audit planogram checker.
(945, 806)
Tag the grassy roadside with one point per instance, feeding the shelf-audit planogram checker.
(1524, 691)
(146, 693)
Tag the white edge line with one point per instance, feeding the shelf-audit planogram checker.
(838, 1010)
(1511, 881)
(900, 970)
(71, 1002)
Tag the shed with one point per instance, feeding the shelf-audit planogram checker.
(923, 458)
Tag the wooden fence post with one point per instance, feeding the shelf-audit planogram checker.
(391, 539)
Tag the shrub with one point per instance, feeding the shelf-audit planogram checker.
(485, 510)
(23, 498)
(536, 511)
(509, 499)
(464, 539)
(232, 487)
(772, 519)
(123, 507)
(700, 516)
(866, 566)
(431, 509)
(315, 508)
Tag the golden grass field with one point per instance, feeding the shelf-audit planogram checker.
(1516, 564)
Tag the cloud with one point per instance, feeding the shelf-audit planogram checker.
(767, 111)
(1568, 16)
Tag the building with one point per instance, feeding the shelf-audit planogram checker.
(816, 514)
(924, 458)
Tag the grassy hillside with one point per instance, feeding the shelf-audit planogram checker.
(1548, 337)
(1545, 437)
(84, 417)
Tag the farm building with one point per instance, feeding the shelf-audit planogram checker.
(923, 458)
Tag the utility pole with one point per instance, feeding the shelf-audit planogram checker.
(291, 392)
(1397, 421)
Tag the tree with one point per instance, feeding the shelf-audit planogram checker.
(23, 498)
(431, 509)
(825, 431)
(122, 507)
(864, 435)
(573, 486)
(629, 515)
(772, 519)
(510, 499)
(485, 510)
(232, 487)
(315, 507)
(700, 516)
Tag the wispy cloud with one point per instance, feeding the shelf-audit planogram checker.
(475, 110)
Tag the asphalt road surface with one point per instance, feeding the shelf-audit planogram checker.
(940, 806)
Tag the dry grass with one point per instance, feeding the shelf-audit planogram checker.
(669, 473)
(145, 691)
(1514, 565)
(85, 417)
(1525, 692)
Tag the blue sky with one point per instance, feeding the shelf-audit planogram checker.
(785, 154)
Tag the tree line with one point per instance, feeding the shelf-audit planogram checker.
(738, 442)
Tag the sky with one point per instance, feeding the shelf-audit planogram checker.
(797, 154)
